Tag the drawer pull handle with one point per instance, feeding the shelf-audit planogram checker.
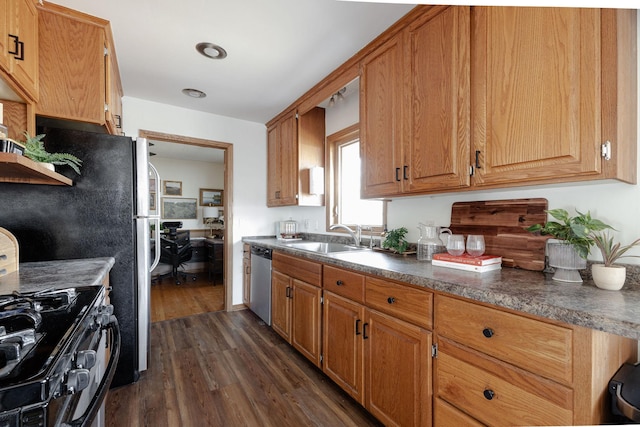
(488, 394)
(364, 331)
(357, 328)
(487, 332)
(391, 300)
(339, 282)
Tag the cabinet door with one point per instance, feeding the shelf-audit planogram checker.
(381, 132)
(438, 102)
(24, 24)
(5, 11)
(72, 74)
(342, 348)
(280, 304)
(398, 371)
(536, 93)
(306, 320)
(282, 163)
(113, 91)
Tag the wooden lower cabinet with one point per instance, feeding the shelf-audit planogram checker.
(398, 371)
(503, 368)
(296, 306)
(343, 356)
(382, 362)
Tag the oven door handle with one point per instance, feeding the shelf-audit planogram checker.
(87, 418)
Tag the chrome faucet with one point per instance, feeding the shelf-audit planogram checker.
(355, 235)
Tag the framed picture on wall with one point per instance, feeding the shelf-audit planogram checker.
(172, 188)
(152, 201)
(210, 197)
(179, 208)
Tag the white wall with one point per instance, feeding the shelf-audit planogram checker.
(251, 216)
(194, 175)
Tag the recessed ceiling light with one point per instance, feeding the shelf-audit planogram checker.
(194, 93)
(211, 50)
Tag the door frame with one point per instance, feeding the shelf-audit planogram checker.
(227, 196)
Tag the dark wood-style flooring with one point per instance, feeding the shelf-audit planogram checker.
(229, 369)
(171, 301)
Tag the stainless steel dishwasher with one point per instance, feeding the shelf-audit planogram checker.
(260, 298)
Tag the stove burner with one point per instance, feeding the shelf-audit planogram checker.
(41, 301)
(14, 346)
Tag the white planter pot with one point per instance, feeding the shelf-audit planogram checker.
(565, 260)
(49, 166)
(609, 278)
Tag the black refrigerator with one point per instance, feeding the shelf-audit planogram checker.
(105, 213)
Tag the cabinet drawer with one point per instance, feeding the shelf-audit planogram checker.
(447, 415)
(343, 282)
(496, 393)
(404, 302)
(298, 268)
(539, 347)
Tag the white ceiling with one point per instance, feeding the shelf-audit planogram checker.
(277, 49)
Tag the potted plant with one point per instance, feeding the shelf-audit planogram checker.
(607, 275)
(395, 241)
(574, 235)
(34, 149)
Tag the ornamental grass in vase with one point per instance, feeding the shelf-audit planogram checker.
(607, 275)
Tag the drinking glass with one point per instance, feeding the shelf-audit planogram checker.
(475, 244)
(455, 245)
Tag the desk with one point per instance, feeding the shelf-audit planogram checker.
(215, 258)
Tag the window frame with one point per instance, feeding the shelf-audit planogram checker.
(332, 183)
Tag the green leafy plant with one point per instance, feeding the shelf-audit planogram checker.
(34, 149)
(395, 240)
(609, 250)
(577, 230)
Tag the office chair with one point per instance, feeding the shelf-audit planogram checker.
(175, 250)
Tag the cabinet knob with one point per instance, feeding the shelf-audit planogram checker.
(339, 282)
(487, 332)
(488, 394)
(391, 300)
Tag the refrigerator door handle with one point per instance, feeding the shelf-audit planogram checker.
(155, 218)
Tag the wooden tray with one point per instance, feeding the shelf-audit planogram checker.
(503, 223)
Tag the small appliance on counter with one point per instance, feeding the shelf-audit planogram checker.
(287, 230)
(624, 388)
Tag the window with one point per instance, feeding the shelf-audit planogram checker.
(345, 205)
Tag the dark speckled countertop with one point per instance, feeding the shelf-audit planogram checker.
(33, 276)
(616, 312)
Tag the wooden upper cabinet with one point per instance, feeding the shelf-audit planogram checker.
(282, 153)
(77, 67)
(414, 107)
(539, 94)
(294, 145)
(113, 89)
(436, 149)
(19, 44)
(381, 95)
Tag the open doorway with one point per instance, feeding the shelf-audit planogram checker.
(217, 294)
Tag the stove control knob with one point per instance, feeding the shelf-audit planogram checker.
(86, 359)
(77, 380)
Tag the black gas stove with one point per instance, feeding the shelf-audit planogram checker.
(58, 350)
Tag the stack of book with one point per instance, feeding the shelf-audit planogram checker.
(467, 262)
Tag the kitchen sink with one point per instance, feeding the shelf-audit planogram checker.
(324, 247)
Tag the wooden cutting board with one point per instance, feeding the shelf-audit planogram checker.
(503, 223)
(8, 252)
